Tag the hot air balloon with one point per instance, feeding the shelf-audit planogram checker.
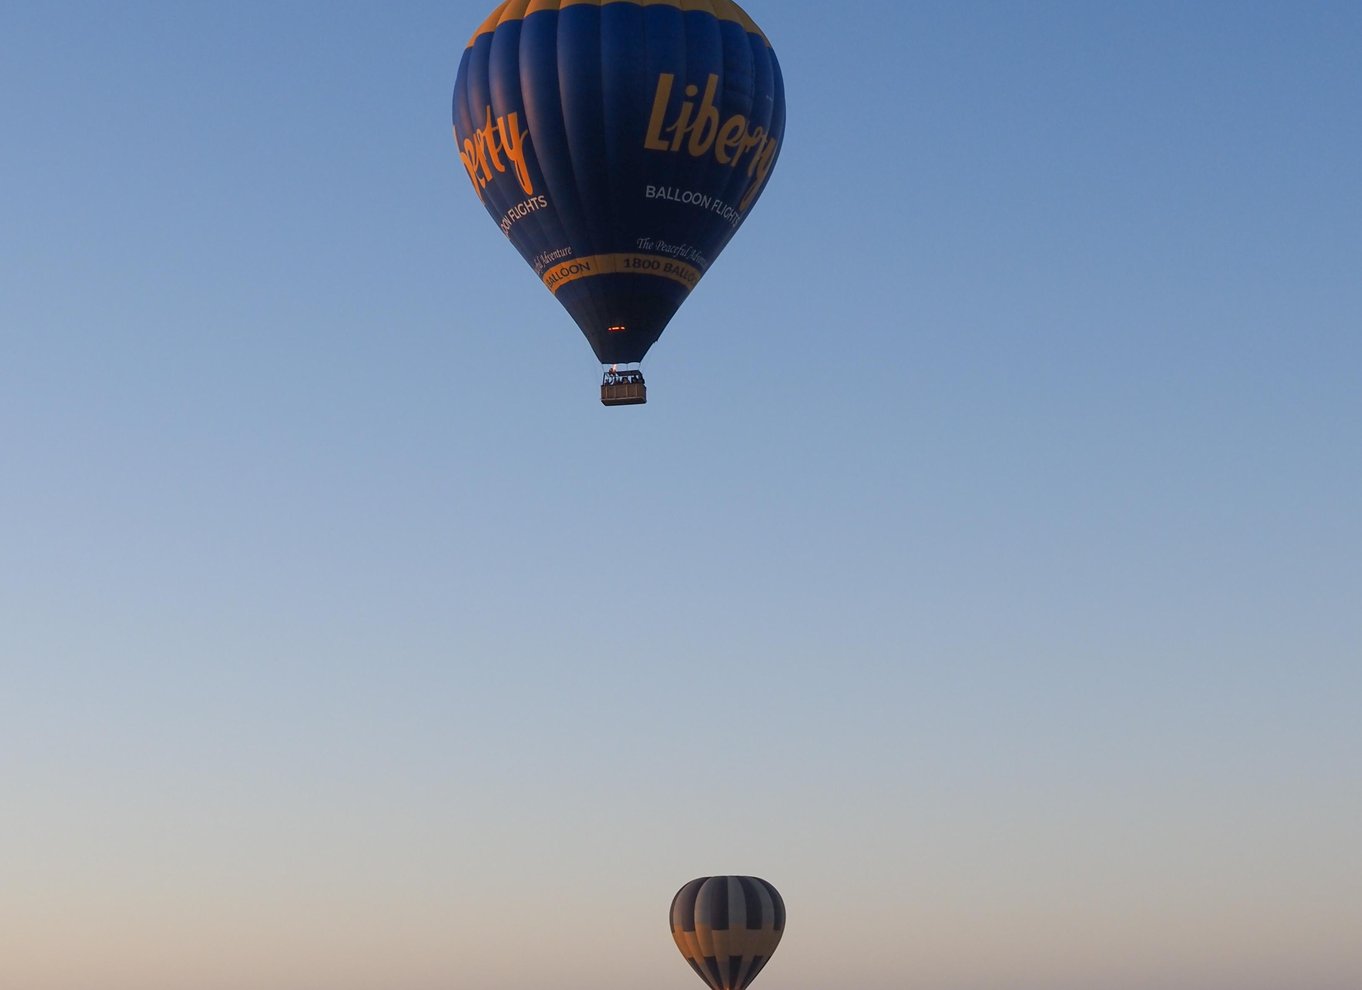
(619, 145)
(727, 928)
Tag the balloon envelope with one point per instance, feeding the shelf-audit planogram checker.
(619, 145)
(727, 928)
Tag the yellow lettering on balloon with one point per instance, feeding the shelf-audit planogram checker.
(730, 141)
(630, 263)
(488, 135)
(764, 162)
(483, 151)
(468, 154)
(682, 124)
(654, 142)
(513, 143)
(706, 127)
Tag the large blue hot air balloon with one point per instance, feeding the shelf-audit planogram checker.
(619, 144)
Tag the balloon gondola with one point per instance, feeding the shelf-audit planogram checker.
(623, 387)
(619, 145)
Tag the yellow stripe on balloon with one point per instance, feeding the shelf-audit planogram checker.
(516, 10)
(660, 266)
(737, 941)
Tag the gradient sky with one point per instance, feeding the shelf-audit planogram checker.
(984, 572)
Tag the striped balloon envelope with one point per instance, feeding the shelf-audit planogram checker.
(727, 928)
(619, 145)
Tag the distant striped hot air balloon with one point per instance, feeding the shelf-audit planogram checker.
(727, 928)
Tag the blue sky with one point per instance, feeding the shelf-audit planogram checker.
(983, 571)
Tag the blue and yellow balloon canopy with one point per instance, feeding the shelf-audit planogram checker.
(619, 145)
